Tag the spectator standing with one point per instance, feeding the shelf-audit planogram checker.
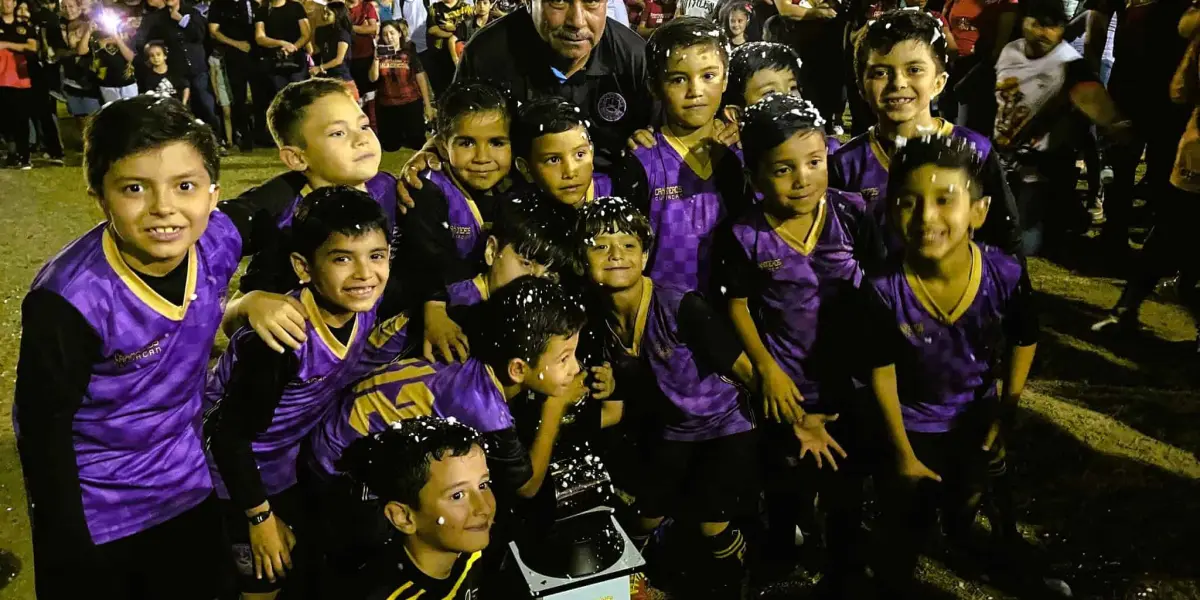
(416, 14)
(980, 29)
(365, 21)
(617, 12)
(813, 29)
(16, 39)
(696, 8)
(385, 9)
(184, 31)
(281, 29)
(44, 73)
(467, 28)
(734, 18)
(231, 27)
(158, 78)
(112, 59)
(444, 19)
(654, 15)
(331, 44)
(79, 81)
(404, 99)
(634, 9)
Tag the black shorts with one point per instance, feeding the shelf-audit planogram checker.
(710, 481)
(858, 430)
(288, 505)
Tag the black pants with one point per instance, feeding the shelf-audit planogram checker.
(14, 119)
(44, 108)
(1170, 248)
(1048, 206)
(239, 69)
(181, 558)
(401, 126)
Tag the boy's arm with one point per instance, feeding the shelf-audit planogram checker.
(429, 245)
(547, 433)
(631, 183)
(712, 340)
(254, 389)
(370, 25)
(58, 351)
(126, 51)
(508, 460)
(1022, 329)
(187, 94)
(256, 212)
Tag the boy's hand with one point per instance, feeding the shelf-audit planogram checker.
(731, 114)
(912, 469)
(781, 397)
(815, 440)
(726, 133)
(271, 543)
(603, 384)
(443, 333)
(410, 177)
(642, 138)
(575, 394)
(276, 318)
(993, 433)
(314, 71)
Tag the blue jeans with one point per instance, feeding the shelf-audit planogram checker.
(203, 105)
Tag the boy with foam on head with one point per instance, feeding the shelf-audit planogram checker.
(324, 139)
(117, 332)
(430, 476)
(952, 321)
(554, 151)
(900, 65)
(264, 403)
(699, 469)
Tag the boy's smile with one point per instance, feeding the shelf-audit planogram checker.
(616, 260)
(901, 84)
(349, 272)
(794, 175)
(935, 212)
(479, 150)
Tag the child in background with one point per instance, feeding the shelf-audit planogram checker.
(444, 18)
(686, 183)
(158, 78)
(112, 59)
(431, 482)
(110, 379)
(404, 102)
(900, 64)
(467, 28)
(681, 361)
(654, 15)
(952, 321)
(445, 233)
(735, 18)
(331, 45)
(264, 403)
(789, 266)
(554, 152)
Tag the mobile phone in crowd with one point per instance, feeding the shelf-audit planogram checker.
(385, 51)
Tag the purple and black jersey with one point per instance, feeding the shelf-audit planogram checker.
(466, 224)
(947, 359)
(136, 433)
(795, 285)
(468, 292)
(381, 187)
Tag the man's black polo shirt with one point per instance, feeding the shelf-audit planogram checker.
(612, 91)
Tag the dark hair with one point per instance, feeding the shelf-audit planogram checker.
(341, 16)
(944, 151)
(749, 59)
(723, 11)
(679, 34)
(520, 318)
(334, 209)
(466, 98)
(1048, 13)
(538, 228)
(135, 125)
(290, 107)
(544, 116)
(894, 27)
(772, 121)
(394, 464)
(400, 25)
(612, 214)
(157, 44)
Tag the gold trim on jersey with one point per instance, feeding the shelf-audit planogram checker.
(944, 128)
(803, 246)
(388, 329)
(964, 302)
(145, 293)
(639, 323)
(481, 284)
(591, 192)
(413, 400)
(702, 168)
(470, 201)
(322, 328)
(453, 591)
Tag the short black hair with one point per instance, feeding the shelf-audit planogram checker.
(538, 228)
(469, 97)
(943, 151)
(157, 44)
(894, 27)
(134, 125)
(544, 116)
(290, 107)
(612, 214)
(749, 59)
(772, 121)
(1048, 13)
(520, 318)
(394, 464)
(678, 34)
(334, 209)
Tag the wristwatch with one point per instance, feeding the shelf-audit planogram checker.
(258, 518)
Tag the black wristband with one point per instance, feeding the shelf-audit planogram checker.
(258, 518)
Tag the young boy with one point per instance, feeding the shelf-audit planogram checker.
(324, 139)
(117, 332)
(158, 79)
(554, 151)
(900, 63)
(264, 403)
(685, 183)
(1040, 82)
(789, 265)
(680, 360)
(431, 481)
(952, 319)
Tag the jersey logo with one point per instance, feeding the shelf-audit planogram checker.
(671, 192)
(771, 265)
(869, 194)
(611, 107)
(460, 233)
(150, 350)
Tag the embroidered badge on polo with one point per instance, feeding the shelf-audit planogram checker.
(611, 107)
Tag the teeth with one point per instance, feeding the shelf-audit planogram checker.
(164, 229)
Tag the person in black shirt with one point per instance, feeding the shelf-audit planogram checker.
(158, 79)
(183, 29)
(17, 38)
(281, 29)
(332, 44)
(231, 27)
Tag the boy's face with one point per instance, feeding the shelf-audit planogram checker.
(483, 7)
(156, 56)
(935, 213)
(692, 85)
(158, 203)
(768, 81)
(1040, 39)
(457, 504)
(479, 150)
(561, 165)
(505, 265)
(794, 175)
(339, 146)
(737, 23)
(556, 368)
(348, 272)
(901, 84)
(616, 260)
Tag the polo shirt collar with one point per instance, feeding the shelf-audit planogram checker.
(598, 63)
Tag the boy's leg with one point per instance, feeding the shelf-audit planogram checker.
(909, 515)
(183, 558)
(16, 109)
(289, 506)
(723, 488)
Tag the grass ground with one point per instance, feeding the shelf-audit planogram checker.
(1105, 453)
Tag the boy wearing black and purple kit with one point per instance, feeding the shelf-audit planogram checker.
(117, 332)
(264, 403)
(953, 320)
(554, 152)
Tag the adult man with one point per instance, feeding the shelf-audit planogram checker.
(231, 25)
(183, 29)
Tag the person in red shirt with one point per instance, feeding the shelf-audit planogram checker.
(980, 29)
(655, 14)
(16, 39)
(365, 20)
(404, 99)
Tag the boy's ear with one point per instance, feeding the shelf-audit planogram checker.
(939, 84)
(294, 158)
(979, 211)
(491, 250)
(214, 191)
(300, 266)
(401, 516)
(523, 168)
(517, 371)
